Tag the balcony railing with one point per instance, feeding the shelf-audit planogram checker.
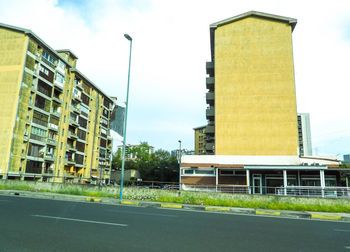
(75, 109)
(72, 134)
(210, 83)
(48, 62)
(37, 138)
(51, 141)
(56, 113)
(56, 99)
(53, 126)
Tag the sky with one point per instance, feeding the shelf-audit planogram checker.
(170, 48)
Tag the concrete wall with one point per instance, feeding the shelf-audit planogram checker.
(255, 102)
(13, 46)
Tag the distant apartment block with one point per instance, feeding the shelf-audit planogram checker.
(200, 140)
(54, 120)
(304, 132)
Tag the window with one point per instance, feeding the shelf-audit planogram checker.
(50, 151)
(48, 57)
(38, 131)
(81, 134)
(67, 93)
(62, 132)
(195, 171)
(65, 106)
(61, 146)
(83, 122)
(64, 119)
(79, 159)
(59, 78)
(44, 70)
(35, 150)
(76, 93)
(85, 99)
(61, 65)
(84, 110)
(80, 146)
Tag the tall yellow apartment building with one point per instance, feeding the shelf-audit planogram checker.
(54, 122)
(251, 98)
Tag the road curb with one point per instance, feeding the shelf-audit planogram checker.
(218, 209)
(170, 205)
(267, 212)
(326, 216)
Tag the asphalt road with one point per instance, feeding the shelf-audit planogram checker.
(48, 225)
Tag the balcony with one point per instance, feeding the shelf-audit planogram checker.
(58, 85)
(210, 68)
(210, 81)
(73, 122)
(78, 85)
(53, 126)
(75, 109)
(56, 113)
(48, 172)
(57, 99)
(69, 161)
(68, 174)
(72, 135)
(210, 147)
(50, 157)
(37, 138)
(210, 113)
(76, 97)
(71, 148)
(47, 62)
(210, 98)
(51, 142)
(210, 129)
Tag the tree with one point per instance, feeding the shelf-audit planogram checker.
(157, 166)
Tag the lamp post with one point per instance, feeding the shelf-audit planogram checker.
(180, 166)
(125, 119)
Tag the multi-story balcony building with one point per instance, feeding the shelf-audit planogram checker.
(54, 120)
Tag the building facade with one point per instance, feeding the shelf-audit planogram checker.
(283, 175)
(251, 92)
(55, 121)
(304, 133)
(200, 140)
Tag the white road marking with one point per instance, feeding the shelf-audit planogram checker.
(342, 230)
(140, 213)
(79, 220)
(347, 247)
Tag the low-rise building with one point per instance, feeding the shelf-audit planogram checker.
(261, 174)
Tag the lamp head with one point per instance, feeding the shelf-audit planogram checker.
(127, 37)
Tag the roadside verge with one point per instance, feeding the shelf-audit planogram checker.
(233, 210)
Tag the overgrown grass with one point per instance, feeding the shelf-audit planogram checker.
(195, 198)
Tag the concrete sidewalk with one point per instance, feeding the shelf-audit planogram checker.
(248, 211)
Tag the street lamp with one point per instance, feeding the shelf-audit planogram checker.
(125, 119)
(180, 166)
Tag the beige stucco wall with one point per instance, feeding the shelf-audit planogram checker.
(255, 102)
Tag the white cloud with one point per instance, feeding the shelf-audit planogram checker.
(170, 47)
